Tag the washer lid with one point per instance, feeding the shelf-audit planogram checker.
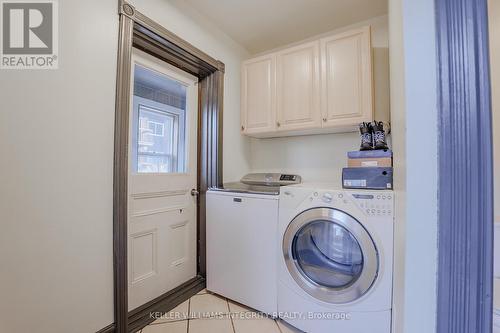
(330, 255)
(246, 188)
(271, 179)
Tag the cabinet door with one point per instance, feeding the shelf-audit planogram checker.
(258, 95)
(347, 97)
(298, 87)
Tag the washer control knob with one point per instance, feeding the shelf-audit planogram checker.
(327, 197)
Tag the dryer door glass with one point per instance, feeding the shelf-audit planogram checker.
(328, 254)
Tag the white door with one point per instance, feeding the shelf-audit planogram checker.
(347, 78)
(258, 100)
(298, 91)
(162, 173)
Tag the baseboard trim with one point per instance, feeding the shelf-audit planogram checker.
(140, 317)
(108, 329)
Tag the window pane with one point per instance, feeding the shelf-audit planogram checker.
(154, 164)
(155, 148)
(159, 120)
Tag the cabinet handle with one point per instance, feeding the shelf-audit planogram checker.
(242, 128)
(278, 124)
(324, 120)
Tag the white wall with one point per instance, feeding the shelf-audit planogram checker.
(494, 30)
(56, 127)
(420, 86)
(322, 157)
(494, 27)
(398, 121)
(56, 143)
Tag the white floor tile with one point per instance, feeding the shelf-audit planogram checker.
(211, 325)
(207, 305)
(287, 328)
(204, 291)
(181, 312)
(171, 327)
(237, 307)
(252, 325)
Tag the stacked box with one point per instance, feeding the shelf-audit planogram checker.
(369, 158)
(369, 169)
(372, 178)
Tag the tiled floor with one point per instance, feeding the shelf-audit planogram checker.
(210, 313)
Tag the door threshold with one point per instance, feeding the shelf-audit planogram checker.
(143, 315)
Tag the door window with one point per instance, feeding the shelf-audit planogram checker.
(328, 254)
(159, 123)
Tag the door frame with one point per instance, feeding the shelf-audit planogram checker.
(139, 31)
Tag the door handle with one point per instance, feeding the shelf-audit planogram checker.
(194, 192)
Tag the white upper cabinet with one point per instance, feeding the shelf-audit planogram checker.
(298, 94)
(258, 95)
(321, 86)
(347, 94)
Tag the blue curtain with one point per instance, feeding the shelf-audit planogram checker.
(465, 269)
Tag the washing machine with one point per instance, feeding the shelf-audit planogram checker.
(335, 259)
(241, 232)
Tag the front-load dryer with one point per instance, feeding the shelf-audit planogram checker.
(335, 259)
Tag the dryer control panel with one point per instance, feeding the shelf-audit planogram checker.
(375, 204)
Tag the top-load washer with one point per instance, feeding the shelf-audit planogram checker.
(335, 259)
(241, 230)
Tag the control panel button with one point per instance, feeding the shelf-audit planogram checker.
(327, 197)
